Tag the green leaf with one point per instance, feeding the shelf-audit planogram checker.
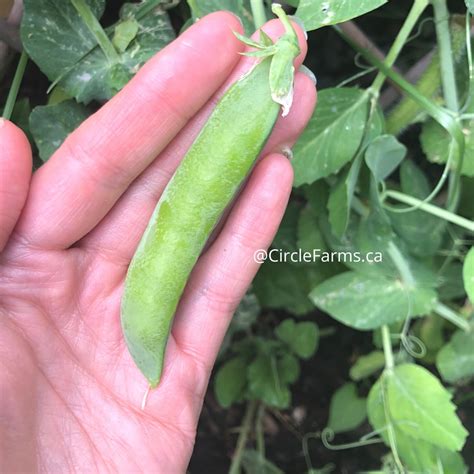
(455, 361)
(254, 463)
(317, 195)
(309, 235)
(125, 32)
(450, 282)
(417, 455)
(333, 135)
(317, 13)
(413, 227)
(302, 337)
(468, 274)
(230, 381)
(340, 199)
(470, 6)
(367, 365)
(51, 124)
(368, 302)
(68, 49)
(435, 143)
(417, 405)
(241, 8)
(383, 155)
(288, 368)
(347, 410)
(282, 285)
(265, 382)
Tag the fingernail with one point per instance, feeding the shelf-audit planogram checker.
(307, 72)
(2, 122)
(288, 152)
(300, 23)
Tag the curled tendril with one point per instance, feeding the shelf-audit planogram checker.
(413, 345)
(327, 436)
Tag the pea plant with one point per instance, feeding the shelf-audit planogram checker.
(385, 167)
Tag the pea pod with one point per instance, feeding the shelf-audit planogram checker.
(203, 186)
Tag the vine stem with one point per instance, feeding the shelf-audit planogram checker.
(15, 87)
(417, 9)
(432, 209)
(96, 29)
(451, 316)
(448, 78)
(258, 13)
(243, 437)
(387, 348)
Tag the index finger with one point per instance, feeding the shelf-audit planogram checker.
(73, 191)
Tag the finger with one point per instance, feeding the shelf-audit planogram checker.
(225, 271)
(15, 175)
(73, 191)
(119, 233)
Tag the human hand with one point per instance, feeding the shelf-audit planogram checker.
(69, 392)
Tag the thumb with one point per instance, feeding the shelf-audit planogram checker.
(15, 175)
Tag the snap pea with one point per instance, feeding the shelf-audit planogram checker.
(197, 195)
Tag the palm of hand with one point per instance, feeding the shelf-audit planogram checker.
(70, 395)
(66, 310)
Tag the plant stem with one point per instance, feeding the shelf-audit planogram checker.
(259, 430)
(431, 209)
(448, 77)
(258, 13)
(96, 29)
(15, 87)
(447, 313)
(402, 37)
(387, 348)
(243, 436)
(401, 264)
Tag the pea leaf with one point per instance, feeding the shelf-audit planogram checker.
(230, 381)
(241, 8)
(470, 6)
(417, 455)
(418, 406)
(265, 382)
(51, 124)
(435, 143)
(302, 337)
(468, 274)
(333, 135)
(282, 285)
(340, 199)
(367, 302)
(69, 51)
(413, 227)
(317, 195)
(383, 155)
(125, 32)
(367, 365)
(308, 232)
(455, 360)
(347, 411)
(317, 13)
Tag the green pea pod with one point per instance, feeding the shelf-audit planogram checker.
(203, 186)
